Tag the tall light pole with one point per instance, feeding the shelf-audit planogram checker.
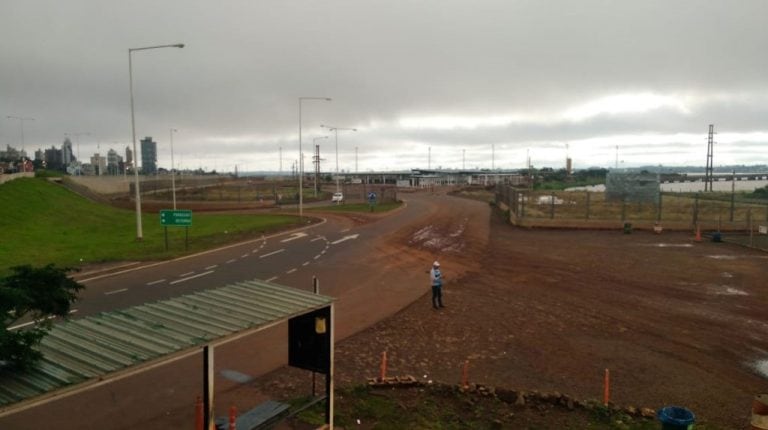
(300, 167)
(21, 125)
(173, 171)
(139, 231)
(335, 131)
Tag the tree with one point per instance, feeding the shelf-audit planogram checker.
(40, 293)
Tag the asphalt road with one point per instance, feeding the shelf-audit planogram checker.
(348, 254)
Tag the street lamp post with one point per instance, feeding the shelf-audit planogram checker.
(21, 124)
(335, 131)
(301, 154)
(139, 231)
(173, 171)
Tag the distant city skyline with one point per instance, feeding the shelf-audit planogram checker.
(430, 83)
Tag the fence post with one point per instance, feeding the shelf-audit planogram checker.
(624, 208)
(522, 204)
(588, 196)
(658, 212)
(552, 206)
(696, 210)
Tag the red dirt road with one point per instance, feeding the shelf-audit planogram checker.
(676, 322)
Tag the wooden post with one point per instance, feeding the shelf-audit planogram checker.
(465, 375)
(383, 368)
(607, 388)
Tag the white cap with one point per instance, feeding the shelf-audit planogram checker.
(436, 264)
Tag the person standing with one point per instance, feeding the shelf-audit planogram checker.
(437, 285)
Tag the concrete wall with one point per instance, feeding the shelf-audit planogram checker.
(11, 176)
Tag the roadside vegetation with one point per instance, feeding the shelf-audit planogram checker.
(44, 223)
(41, 293)
(448, 408)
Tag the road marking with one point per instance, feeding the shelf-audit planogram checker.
(272, 253)
(109, 293)
(345, 230)
(291, 271)
(187, 274)
(244, 256)
(212, 267)
(345, 238)
(32, 322)
(271, 279)
(159, 281)
(231, 261)
(306, 263)
(317, 256)
(191, 277)
(294, 236)
(317, 238)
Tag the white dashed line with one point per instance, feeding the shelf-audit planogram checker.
(186, 274)
(212, 267)
(244, 256)
(32, 322)
(306, 263)
(272, 253)
(192, 277)
(231, 261)
(345, 230)
(316, 256)
(317, 238)
(159, 281)
(109, 293)
(271, 279)
(291, 271)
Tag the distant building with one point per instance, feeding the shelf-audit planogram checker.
(114, 162)
(148, 156)
(53, 159)
(99, 164)
(128, 157)
(67, 156)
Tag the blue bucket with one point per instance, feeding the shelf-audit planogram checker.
(676, 418)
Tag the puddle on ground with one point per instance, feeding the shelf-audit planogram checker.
(672, 245)
(727, 290)
(762, 367)
(722, 257)
(235, 376)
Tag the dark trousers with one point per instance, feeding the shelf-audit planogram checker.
(437, 296)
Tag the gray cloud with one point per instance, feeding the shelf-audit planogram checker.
(232, 91)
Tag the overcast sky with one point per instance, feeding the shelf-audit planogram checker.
(451, 84)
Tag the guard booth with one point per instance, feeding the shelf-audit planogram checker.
(84, 356)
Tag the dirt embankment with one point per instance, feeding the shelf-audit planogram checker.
(675, 321)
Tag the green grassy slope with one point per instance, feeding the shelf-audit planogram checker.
(42, 223)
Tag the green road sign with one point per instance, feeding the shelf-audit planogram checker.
(181, 218)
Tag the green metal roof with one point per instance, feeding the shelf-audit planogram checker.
(93, 347)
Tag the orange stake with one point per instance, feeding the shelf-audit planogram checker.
(232, 417)
(607, 388)
(465, 375)
(199, 413)
(698, 234)
(383, 375)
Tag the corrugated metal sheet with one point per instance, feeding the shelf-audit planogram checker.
(93, 347)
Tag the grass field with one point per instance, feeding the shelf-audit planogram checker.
(45, 223)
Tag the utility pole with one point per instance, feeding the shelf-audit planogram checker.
(463, 159)
(493, 156)
(429, 158)
(356, 159)
(708, 173)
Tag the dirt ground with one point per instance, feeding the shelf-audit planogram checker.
(677, 322)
